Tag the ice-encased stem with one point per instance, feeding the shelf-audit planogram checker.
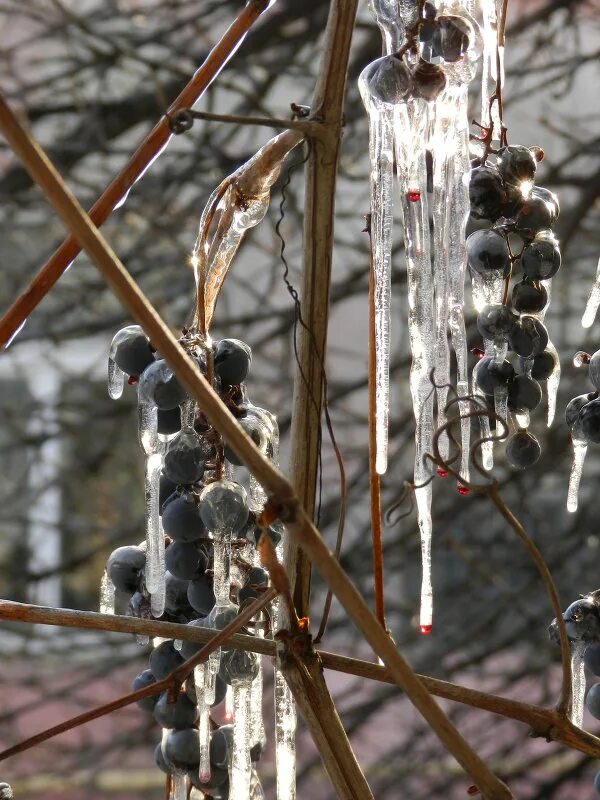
(107, 595)
(116, 380)
(381, 153)
(180, 786)
(577, 682)
(203, 723)
(579, 452)
(241, 765)
(593, 303)
(221, 551)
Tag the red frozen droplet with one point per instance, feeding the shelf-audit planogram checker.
(414, 196)
(425, 629)
(472, 790)
(132, 380)
(478, 352)
(464, 490)
(443, 473)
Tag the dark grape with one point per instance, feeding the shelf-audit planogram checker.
(252, 426)
(238, 665)
(166, 489)
(182, 748)
(524, 394)
(429, 80)
(181, 519)
(179, 715)
(256, 752)
(528, 337)
(176, 601)
(589, 421)
(220, 689)
(451, 37)
(161, 762)
(487, 251)
(232, 359)
(533, 216)
(574, 407)
(549, 198)
(516, 164)
(131, 351)
(124, 568)
(139, 606)
(389, 80)
(253, 532)
(189, 649)
(258, 577)
(218, 778)
(201, 595)
(592, 701)
(224, 506)
(160, 387)
(594, 369)
(221, 746)
(486, 193)
(495, 321)
(540, 259)
(523, 449)
(185, 458)
(247, 593)
(146, 678)
(582, 620)
(169, 421)
(542, 366)
(164, 659)
(528, 298)
(592, 658)
(597, 783)
(185, 561)
(490, 376)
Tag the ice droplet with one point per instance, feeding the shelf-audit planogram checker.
(116, 380)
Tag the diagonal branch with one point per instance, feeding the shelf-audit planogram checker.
(143, 157)
(297, 520)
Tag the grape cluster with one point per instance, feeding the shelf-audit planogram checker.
(582, 414)
(519, 239)
(198, 501)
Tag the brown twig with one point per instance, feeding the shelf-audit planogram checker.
(173, 680)
(135, 167)
(180, 122)
(298, 521)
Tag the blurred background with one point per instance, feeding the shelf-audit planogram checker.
(91, 78)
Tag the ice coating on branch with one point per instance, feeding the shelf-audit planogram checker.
(381, 118)
(241, 765)
(578, 682)
(579, 452)
(593, 303)
(116, 380)
(107, 595)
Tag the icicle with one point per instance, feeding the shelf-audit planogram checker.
(107, 595)
(265, 435)
(221, 550)
(177, 644)
(229, 705)
(116, 380)
(148, 427)
(210, 682)
(593, 303)
(579, 452)
(423, 499)
(203, 724)
(522, 418)
(390, 23)
(256, 790)
(489, 67)
(179, 791)
(578, 682)
(285, 718)
(552, 384)
(257, 727)
(241, 765)
(381, 116)
(188, 414)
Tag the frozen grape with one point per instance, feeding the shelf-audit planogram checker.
(181, 519)
(589, 421)
(166, 489)
(429, 80)
(540, 259)
(182, 748)
(124, 568)
(594, 369)
(388, 79)
(176, 594)
(258, 577)
(490, 376)
(516, 164)
(146, 678)
(582, 620)
(220, 689)
(232, 360)
(495, 321)
(523, 449)
(160, 387)
(139, 606)
(179, 715)
(592, 701)
(549, 198)
(253, 532)
(184, 560)
(451, 37)
(255, 429)
(131, 351)
(573, 409)
(221, 616)
(201, 595)
(486, 193)
(218, 778)
(487, 251)
(221, 745)
(533, 216)
(238, 665)
(189, 649)
(592, 658)
(224, 506)
(161, 762)
(524, 394)
(169, 421)
(529, 298)
(543, 365)
(185, 458)
(164, 659)
(528, 337)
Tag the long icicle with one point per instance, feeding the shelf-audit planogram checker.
(241, 765)
(593, 303)
(578, 682)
